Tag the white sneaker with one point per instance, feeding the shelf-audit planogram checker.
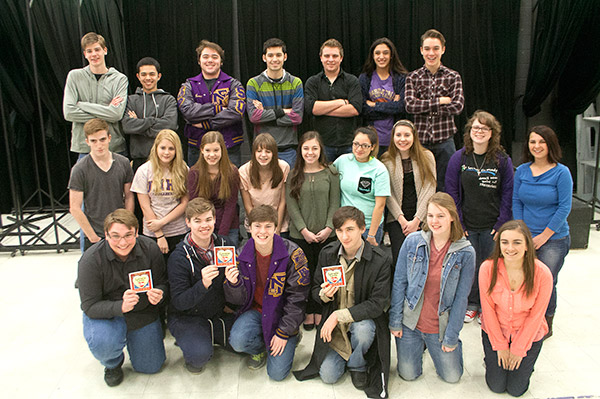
(386, 239)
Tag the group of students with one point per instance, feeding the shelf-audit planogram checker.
(437, 278)
(434, 269)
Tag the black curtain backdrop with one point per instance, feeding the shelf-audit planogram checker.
(565, 61)
(565, 45)
(481, 44)
(481, 40)
(579, 83)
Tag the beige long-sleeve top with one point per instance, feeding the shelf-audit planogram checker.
(424, 191)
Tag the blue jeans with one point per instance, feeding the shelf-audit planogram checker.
(333, 153)
(378, 235)
(449, 365)
(483, 243)
(234, 236)
(288, 156)
(234, 153)
(196, 336)
(193, 336)
(106, 339)
(362, 334)
(442, 153)
(499, 380)
(552, 254)
(247, 337)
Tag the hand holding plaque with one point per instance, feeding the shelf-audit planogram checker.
(141, 281)
(224, 256)
(334, 275)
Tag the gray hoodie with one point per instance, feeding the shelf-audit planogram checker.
(87, 97)
(155, 111)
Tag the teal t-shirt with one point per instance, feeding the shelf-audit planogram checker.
(361, 182)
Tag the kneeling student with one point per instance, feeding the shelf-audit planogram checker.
(353, 332)
(115, 313)
(274, 284)
(198, 315)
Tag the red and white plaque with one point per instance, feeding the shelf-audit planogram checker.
(334, 275)
(224, 256)
(141, 281)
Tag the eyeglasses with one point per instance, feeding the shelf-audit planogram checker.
(483, 129)
(363, 146)
(118, 238)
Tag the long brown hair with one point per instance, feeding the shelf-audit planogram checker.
(528, 260)
(204, 186)
(494, 149)
(267, 142)
(416, 152)
(297, 174)
(177, 167)
(444, 200)
(395, 66)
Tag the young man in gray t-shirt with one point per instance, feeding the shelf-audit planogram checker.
(101, 181)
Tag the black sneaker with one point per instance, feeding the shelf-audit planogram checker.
(114, 377)
(255, 362)
(359, 379)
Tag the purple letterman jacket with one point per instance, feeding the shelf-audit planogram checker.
(218, 109)
(286, 289)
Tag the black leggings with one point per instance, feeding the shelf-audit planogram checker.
(515, 382)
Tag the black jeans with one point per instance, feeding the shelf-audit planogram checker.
(312, 256)
(515, 382)
(442, 153)
(397, 238)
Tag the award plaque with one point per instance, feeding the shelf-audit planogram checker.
(224, 256)
(141, 281)
(334, 275)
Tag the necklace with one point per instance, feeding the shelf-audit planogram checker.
(477, 166)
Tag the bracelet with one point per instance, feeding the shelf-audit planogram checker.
(157, 237)
(370, 236)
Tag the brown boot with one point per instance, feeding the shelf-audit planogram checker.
(549, 320)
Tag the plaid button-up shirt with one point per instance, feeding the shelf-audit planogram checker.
(434, 121)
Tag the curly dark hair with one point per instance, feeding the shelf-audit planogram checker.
(494, 149)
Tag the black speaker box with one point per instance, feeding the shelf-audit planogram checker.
(579, 221)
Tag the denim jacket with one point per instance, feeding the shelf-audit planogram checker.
(409, 283)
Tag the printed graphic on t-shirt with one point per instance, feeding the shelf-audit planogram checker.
(166, 187)
(488, 177)
(365, 184)
(381, 95)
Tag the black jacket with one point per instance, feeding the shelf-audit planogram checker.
(188, 295)
(372, 279)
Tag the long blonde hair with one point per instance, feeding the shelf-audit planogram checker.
(416, 152)
(177, 167)
(204, 186)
